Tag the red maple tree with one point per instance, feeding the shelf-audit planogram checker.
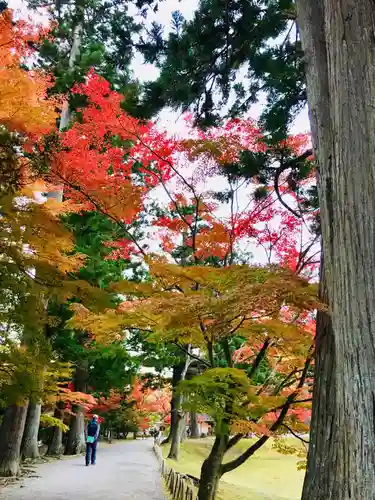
(216, 214)
(108, 161)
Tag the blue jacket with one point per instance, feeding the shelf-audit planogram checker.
(93, 429)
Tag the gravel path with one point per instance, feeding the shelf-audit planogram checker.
(123, 471)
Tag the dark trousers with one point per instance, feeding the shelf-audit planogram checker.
(91, 452)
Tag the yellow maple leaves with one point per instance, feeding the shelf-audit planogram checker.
(23, 103)
(201, 304)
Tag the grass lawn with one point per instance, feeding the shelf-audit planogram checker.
(267, 475)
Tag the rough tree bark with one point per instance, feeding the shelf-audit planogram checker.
(76, 443)
(339, 44)
(211, 470)
(11, 432)
(194, 427)
(74, 54)
(323, 429)
(55, 447)
(174, 414)
(29, 446)
(180, 425)
(184, 434)
(174, 451)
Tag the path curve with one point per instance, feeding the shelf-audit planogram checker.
(124, 471)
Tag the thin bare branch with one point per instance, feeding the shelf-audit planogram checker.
(189, 353)
(295, 434)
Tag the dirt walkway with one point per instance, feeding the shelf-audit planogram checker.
(123, 471)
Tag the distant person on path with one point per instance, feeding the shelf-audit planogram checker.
(92, 435)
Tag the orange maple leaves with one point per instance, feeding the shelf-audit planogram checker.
(23, 103)
(151, 400)
(147, 402)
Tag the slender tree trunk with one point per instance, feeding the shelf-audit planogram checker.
(339, 45)
(178, 430)
(183, 429)
(211, 470)
(174, 422)
(176, 377)
(11, 432)
(180, 425)
(74, 53)
(76, 436)
(29, 447)
(194, 427)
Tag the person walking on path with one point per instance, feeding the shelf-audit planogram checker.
(92, 435)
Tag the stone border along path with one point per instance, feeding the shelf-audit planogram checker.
(123, 471)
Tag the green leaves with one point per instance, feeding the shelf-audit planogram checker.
(49, 421)
(208, 55)
(219, 392)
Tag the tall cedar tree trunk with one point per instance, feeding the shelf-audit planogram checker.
(339, 44)
(74, 53)
(11, 432)
(76, 436)
(55, 447)
(211, 470)
(323, 432)
(29, 447)
(194, 427)
(65, 112)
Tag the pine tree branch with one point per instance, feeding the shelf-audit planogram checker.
(285, 166)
